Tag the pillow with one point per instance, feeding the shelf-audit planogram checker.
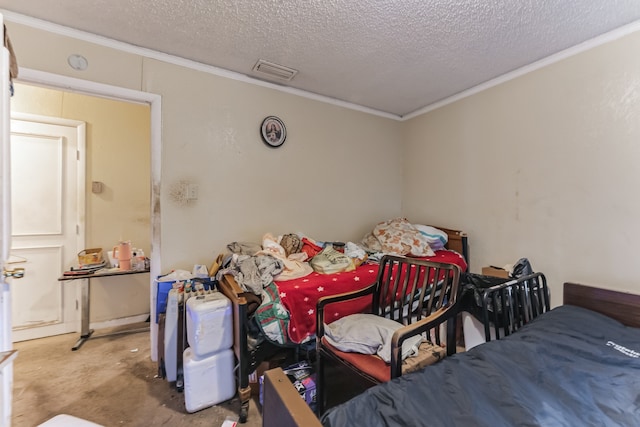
(399, 237)
(437, 238)
(369, 334)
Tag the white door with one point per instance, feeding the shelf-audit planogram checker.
(6, 370)
(46, 171)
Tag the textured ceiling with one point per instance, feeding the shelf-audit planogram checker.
(394, 56)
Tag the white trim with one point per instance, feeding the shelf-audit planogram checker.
(552, 59)
(71, 84)
(6, 344)
(176, 60)
(5, 205)
(5, 158)
(155, 256)
(27, 117)
(148, 53)
(118, 93)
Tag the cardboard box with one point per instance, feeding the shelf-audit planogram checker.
(303, 379)
(256, 376)
(495, 272)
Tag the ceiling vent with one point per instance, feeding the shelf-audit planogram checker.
(274, 71)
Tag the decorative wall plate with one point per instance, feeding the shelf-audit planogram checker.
(273, 131)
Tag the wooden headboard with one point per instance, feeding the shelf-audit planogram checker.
(283, 406)
(457, 242)
(622, 306)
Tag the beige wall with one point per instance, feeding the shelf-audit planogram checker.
(545, 163)
(337, 174)
(544, 166)
(118, 155)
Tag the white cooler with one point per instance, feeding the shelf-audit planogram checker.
(207, 381)
(209, 324)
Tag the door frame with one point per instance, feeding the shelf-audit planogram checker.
(70, 84)
(6, 367)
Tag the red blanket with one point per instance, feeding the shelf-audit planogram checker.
(300, 296)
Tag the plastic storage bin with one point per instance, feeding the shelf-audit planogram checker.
(207, 381)
(171, 336)
(162, 292)
(209, 324)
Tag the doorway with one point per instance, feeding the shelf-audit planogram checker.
(151, 102)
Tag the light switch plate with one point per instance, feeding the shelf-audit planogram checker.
(192, 191)
(96, 187)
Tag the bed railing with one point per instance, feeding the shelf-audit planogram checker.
(509, 306)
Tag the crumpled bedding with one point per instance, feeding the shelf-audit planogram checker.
(397, 237)
(293, 264)
(244, 248)
(257, 271)
(255, 266)
(300, 288)
(272, 317)
(252, 272)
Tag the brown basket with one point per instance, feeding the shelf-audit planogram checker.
(90, 257)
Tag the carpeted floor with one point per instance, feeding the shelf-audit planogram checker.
(110, 381)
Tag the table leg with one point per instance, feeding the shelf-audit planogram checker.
(85, 332)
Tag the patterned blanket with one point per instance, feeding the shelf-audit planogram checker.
(298, 297)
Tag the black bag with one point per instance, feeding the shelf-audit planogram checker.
(473, 286)
(521, 268)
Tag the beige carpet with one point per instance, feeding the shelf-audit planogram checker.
(110, 381)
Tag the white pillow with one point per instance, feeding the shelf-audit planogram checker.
(437, 238)
(369, 334)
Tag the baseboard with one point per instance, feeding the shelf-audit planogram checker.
(120, 321)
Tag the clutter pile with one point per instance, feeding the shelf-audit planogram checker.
(123, 257)
(303, 378)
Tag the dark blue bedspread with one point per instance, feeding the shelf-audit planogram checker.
(569, 367)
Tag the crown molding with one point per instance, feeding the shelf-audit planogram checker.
(176, 60)
(552, 59)
(221, 72)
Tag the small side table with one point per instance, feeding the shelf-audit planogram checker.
(85, 332)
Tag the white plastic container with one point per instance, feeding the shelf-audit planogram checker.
(207, 381)
(171, 336)
(209, 324)
(473, 331)
(64, 420)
